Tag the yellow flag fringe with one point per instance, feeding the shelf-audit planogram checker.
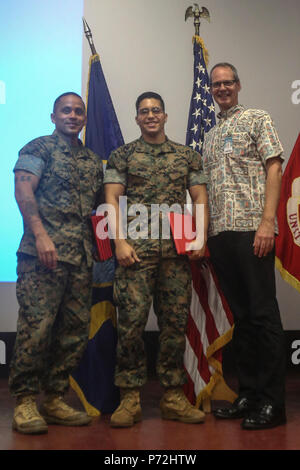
(204, 50)
(216, 389)
(294, 282)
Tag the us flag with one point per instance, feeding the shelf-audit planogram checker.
(202, 111)
(210, 321)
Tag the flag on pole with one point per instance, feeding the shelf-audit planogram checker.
(102, 133)
(288, 214)
(210, 321)
(202, 111)
(93, 380)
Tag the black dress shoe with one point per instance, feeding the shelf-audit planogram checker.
(239, 409)
(265, 417)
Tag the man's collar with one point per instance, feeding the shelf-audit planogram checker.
(61, 139)
(164, 147)
(230, 112)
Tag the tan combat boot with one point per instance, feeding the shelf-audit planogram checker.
(129, 410)
(27, 419)
(56, 411)
(174, 405)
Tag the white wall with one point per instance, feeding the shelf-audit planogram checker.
(8, 307)
(148, 46)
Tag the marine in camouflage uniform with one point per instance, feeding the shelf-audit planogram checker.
(151, 174)
(54, 294)
(155, 174)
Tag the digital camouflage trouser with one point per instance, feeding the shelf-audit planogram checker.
(52, 329)
(168, 282)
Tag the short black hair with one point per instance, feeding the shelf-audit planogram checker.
(65, 94)
(149, 95)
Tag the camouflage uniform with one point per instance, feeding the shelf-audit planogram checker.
(153, 174)
(53, 321)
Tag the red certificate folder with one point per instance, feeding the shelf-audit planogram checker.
(103, 245)
(183, 228)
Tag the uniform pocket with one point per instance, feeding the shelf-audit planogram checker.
(26, 264)
(140, 172)
(177, 171)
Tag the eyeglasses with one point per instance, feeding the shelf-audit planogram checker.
(226, 83)
(145, 111)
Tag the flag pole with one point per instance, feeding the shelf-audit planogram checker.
(89, 36)
(213, 328)
(93, 379)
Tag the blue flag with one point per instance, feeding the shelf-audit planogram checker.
(93, 380)
(202, 111)
(103, 134)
